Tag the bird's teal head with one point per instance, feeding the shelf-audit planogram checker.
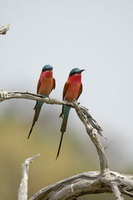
(47, 68)
(76, 71)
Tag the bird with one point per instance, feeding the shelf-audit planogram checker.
(72, 90)
(45, 85)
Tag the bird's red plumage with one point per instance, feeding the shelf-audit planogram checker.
(72, 88)
(71, 92)
(46, 83)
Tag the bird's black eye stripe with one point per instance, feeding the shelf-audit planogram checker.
(72, 73)
(43, 70)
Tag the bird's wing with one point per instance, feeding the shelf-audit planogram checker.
(54, 84)
(80, 90)
(65, 89)
(64, 93)
(38, 85)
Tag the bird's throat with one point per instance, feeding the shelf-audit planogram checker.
(47, 74)
(75, 78)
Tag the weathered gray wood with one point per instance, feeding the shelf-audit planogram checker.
(116, 191)
(85, 183)
(23, 189)
(93, 133)
(4, 29)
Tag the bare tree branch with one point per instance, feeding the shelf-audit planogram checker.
(130, 194)
(4, 29)
(85, 183)
(92, 127)
(116, 190)
(93, 133)
(23, 189)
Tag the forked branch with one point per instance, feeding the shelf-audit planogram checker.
(85, 183)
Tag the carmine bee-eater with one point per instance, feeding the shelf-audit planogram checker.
(72, 90)
(45, 85)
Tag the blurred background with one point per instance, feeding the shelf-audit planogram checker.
(93, 35)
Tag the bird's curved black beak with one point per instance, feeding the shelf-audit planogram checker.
(82, 70)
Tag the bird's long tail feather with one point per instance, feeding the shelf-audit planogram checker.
(37, 109)
(59, 148)
(65, 112)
